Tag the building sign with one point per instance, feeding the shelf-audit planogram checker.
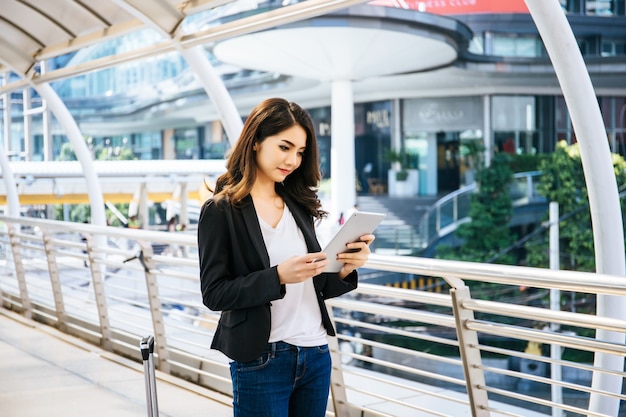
(378, 118)
(372, 118)
(437, 114)
(452, 7)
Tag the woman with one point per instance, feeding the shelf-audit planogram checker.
(261, 266)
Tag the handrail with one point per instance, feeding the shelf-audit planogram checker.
(398, 351)
(452, 209)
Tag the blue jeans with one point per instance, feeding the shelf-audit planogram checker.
(285, 381)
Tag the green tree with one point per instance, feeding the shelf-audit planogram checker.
(563, 181)
(490, 211)
(67, 152)
(115, 154)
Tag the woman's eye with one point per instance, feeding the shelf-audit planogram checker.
(283, 148)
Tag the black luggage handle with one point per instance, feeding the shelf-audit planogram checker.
(147, 347)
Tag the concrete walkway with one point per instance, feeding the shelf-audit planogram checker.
(44, 372)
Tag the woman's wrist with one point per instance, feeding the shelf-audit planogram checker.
(344, 272)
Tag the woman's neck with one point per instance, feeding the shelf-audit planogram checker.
(268, 204)
(263, 191)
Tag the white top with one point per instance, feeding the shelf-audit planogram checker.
(296, 318)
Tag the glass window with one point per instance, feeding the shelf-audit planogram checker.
(513, 112)
(613, 47)
(572, 6)
(186, 142)
(418, 145)
(147, 145)
(514, 124)
(544, 139)
(37, 149)
(588, 45)
(605, 7)
(564, 128)
(514, 45)
(614, 114)
(321, 123)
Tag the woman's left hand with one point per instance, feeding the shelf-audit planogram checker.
(356, 255)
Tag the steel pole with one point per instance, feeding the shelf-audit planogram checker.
(65, 118)
(608, 231)
(216, 90)
(555, 304)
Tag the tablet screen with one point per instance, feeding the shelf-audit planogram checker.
(358, 224)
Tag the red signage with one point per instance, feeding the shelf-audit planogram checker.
(451, 7)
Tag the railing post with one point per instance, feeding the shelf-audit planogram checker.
(438, 220)
(470, 353)
(14, 240)
(55, 282)
(337, 384)
(100, 297)
(154, 301)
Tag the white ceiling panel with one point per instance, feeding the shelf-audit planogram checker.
(77, 19)
(34, 30)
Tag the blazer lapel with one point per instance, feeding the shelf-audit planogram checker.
(254, 229)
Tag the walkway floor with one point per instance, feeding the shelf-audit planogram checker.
(44, 372)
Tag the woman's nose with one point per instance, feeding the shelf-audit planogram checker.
(292, 158)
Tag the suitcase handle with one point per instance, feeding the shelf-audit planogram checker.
(147, 350)
(147, 347)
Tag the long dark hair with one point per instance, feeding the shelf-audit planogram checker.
(269, 118)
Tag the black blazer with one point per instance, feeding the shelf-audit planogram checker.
(236, 277)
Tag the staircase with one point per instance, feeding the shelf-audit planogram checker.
(399, 232)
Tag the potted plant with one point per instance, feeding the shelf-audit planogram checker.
(403, 175)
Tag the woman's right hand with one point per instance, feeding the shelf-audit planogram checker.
(300, 268)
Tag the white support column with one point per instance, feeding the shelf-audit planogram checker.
(342, 186)
(215, 88)
(608, 231)
(168, 25)
(556, 371)
(6, 115)
(28, 139)
(396, 133)
(66, 120)
(487, 141)
(46, 121)
(13, 199)
(144, 211)
(167, 143)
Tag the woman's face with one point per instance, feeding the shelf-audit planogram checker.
(281, 154)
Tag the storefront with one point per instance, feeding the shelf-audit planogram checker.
(442, 132)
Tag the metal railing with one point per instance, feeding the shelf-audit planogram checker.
(453, 209)
(472, 342)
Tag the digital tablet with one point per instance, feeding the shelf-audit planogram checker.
(358, 224)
